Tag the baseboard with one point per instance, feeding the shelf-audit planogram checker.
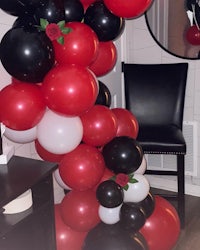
(171, 185)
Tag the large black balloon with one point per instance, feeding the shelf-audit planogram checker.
(147, 205)
(27, 56)
(74, 10)
(132, 217)
(112, 237)
(141, 240)
(106, 25)
(25, 21)
(123, 154)
(104, 95)
(51, 10)
(109, 194)
(19, 7)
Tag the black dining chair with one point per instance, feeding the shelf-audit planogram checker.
(155, 94)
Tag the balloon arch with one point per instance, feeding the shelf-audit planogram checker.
(54, 53)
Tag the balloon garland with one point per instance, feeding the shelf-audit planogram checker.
(54, 53)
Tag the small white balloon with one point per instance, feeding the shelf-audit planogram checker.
(59, 180)
(142, 168)
(109, 215)
(21, 136)
(137, 191)
(59, 134)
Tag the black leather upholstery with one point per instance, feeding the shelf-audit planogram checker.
(162, 139)
(155, 94)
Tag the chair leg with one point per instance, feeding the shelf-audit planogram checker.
(181, 188)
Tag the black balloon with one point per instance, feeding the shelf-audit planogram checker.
(51, 10)
(142, 243)
(17, 8)
(106, 25)
(27, 56)
(74, 10)
(112, 237)
(147, 205)
(25, 21)
(104, 95)
(132, 217)
(109, 194)
(123, 155)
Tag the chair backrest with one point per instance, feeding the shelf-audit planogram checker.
(155, 93)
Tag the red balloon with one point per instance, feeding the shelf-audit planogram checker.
(87, 3)
(82, 168)
(80, 45)
(127, 124)
(21, 106)
(161, 230)
(106, 176)
(70, 89)
(79, 210)
(105, 60)
(193, 35)
(99, 125)
(46, 155)
(66, 238)
(128, 8)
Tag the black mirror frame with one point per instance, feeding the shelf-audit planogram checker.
(169, 52)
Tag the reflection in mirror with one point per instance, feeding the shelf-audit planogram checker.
(174, 26)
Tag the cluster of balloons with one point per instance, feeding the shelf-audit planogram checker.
(160, 230)
(56, 101)
(108, 202)
(193, 32)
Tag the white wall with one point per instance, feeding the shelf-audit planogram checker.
(140, 47)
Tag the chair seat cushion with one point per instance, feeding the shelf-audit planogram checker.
(161, 139)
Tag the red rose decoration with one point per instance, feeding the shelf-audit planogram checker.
(53, 31)
(122, 179)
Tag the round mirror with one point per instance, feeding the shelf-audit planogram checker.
(174, 26)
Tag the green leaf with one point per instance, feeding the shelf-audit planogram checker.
(131, 176)
(61, 40)
(43, 23)
(113, 178)
(126, 187)
(61, 24)
(66, 30)
(133, 181)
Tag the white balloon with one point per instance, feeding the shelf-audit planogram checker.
(59, 134)
(109, 215)
(142, 168)
(59, 180)
(137, 191)
(21, 136)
